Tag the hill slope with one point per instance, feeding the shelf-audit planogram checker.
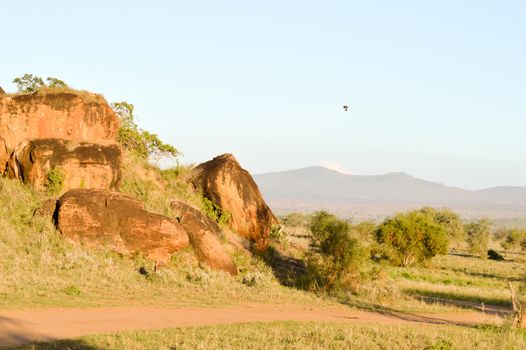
(375, 196)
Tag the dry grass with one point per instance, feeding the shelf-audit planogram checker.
(86, 96)
(302, 335)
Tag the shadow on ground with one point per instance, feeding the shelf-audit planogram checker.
(58, 345)
(287, 270)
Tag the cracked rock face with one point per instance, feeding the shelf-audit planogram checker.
(82, 164)
(232, 188)
(111, 219)
(58, 115)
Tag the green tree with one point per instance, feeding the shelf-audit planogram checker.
(28, 83)
(411, 237)
(131, 137)
(478, 233)
(450, 221)
(333, 253)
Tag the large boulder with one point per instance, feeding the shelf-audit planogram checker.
(204, 235)
(104, 218)
(83, 164)
(232, 188)
(4, 156)
(72, 116)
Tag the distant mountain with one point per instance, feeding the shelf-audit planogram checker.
(376, 196)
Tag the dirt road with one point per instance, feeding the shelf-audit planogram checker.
(25, 326)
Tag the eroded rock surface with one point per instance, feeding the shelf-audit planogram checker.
(82, 164)
(4, 156)
(56, 115)
(204, 235)
(232, 188)
(104, 218)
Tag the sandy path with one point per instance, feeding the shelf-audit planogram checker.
(24, 326)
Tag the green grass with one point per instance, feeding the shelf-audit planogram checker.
(302, 335)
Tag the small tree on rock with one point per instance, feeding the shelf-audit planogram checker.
(28, 83)
(139, 141)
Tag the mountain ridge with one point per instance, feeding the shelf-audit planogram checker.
(316, 187)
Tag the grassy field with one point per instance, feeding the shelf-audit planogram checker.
(302, 335)
(39, 268)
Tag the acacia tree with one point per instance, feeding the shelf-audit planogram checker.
(28, 83)
(478, 233)
(411, 237)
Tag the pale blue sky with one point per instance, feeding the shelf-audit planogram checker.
(437, 88)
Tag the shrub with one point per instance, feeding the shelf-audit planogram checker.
(478, 233)
(411, 237)
(278, 234)
(28, 83)
(134, 139)
(215, 212)
(512, 239)
(333, 254)
(55, 181)
(71, 290)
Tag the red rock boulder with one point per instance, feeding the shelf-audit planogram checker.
(232, 188)
(82, 164)
(204, 235)
(4, 156)
(103, 218)
(74, 116)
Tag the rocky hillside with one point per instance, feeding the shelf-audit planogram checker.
(64, 144)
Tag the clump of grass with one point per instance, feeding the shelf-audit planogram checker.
(55, 179)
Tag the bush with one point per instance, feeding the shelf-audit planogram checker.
(215, 212)
(333, 254)
(478, 233)
(134, 139)
(55, 181)
(411, 237)
(512, 239)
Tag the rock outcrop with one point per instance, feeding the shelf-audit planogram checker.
(56, 115)
(4, 156)
(204, 235)
(232, 188)
(103, 218)
(83, 164)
